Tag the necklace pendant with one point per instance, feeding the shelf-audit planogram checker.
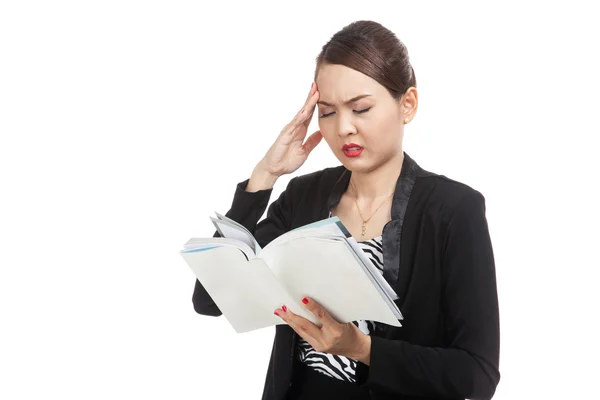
(364, 228)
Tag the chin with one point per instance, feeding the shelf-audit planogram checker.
(360, 164)
(357, 165)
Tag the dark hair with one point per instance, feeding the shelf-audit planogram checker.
(370, 48)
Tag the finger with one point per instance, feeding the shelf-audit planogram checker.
(311, 105)
(300, 324)
(313, 87)
(302, 116)
(306, 110)
(320, 312)
(312, 142)
(305, 107)
(314, 343)
(290, 128)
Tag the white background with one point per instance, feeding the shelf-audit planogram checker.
(125, 124)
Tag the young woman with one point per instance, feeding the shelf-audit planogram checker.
(427, 235)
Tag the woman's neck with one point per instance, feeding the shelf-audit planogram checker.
(378, 183)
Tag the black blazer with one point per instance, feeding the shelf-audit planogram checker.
(438, 258)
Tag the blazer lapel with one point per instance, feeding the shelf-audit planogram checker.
(396, 275)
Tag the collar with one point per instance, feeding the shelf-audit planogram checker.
(396, 276)
(404, 186)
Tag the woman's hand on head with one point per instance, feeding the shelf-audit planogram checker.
(290, 150)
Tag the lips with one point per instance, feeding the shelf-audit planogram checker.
(351, 147)
(352, 150)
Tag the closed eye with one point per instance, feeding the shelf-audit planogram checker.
(356, 111)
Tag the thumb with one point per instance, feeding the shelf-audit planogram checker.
(312, 142)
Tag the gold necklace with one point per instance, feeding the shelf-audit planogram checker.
(364, 221)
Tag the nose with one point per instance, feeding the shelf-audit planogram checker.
(345, 126)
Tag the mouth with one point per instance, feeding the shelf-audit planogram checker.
(352, 150)
(351, 147)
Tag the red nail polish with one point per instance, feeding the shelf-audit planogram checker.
(284, 308)
(276, 313)
(305, 300)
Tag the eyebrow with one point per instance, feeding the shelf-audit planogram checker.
(346, 102)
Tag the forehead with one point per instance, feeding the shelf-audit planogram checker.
(338, 83)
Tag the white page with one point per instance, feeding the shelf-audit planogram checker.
(195, 244)
(330, 228)
(233, 231)
(327, 271)
(241, 230)
(384, 284)
(375, 276)
(327, 231)
(246, 292)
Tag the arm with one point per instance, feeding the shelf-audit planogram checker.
(247, 207)
(468, 367)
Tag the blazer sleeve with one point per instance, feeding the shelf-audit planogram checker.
(246, 209)
(468, 366)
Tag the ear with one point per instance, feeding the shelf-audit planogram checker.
(409, 103)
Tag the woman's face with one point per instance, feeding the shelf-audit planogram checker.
(374, 122)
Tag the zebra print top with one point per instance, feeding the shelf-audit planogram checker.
(333, 365)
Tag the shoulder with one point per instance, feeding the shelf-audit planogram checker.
(325, 177)
(441, 194)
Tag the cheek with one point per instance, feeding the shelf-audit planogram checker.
(380, 134)
(386, 125)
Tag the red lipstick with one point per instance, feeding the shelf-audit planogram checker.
(352, 150)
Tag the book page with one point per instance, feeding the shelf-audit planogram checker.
(375, 276)
(203, 244)
(323, 229)
(247, 292)
(327, 271)
(231, 229)
(334, 228)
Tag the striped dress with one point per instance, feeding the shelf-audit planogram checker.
(332, 365)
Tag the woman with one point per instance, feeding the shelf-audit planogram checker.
(427, 234)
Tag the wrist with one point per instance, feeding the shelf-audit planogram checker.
(363, 350)
(365, 357)
(261, 179)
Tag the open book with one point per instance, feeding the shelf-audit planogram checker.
(320, 260)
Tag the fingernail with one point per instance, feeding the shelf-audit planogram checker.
(276, 313)
(284, 308)
(305, 300)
